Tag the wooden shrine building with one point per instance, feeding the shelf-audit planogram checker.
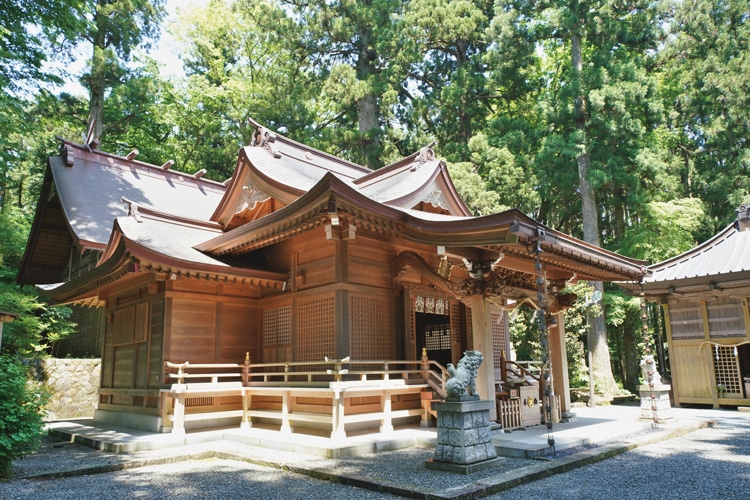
(305, 291)
(704, 294)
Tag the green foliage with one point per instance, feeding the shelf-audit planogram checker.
(38, 325)
(21, 406)
(663, 230)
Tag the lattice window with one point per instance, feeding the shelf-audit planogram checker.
(270, 328)
(725, 318)
(456, 322)
(371, 328)
(277, 326)
(316, 329)
(727, 370)
(498, 335)
(437, 337)
(685, 320)
(284, 325)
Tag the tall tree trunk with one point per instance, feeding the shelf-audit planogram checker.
(367, 106)
(600, 349)
(97, 86)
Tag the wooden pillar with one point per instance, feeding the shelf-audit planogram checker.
(482, 342)
(711, 370)
(670, 349)
(341, 299)
(559, 357)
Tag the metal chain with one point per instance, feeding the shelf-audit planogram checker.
(649, 358)
(542, 302)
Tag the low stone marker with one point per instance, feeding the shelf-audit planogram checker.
(464, 442)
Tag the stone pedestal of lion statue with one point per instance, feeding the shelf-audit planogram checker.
(464, 444)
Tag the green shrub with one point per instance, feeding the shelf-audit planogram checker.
(21, 404)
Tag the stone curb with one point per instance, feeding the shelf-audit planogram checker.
(477, 489)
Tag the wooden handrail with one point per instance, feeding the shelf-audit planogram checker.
(261, 374)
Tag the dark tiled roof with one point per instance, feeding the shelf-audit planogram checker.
(91, 192)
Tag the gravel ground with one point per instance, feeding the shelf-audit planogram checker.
(709, 463)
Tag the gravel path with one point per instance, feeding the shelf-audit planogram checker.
(709, 463)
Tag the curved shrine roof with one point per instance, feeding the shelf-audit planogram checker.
(725, 257)
(92, 188)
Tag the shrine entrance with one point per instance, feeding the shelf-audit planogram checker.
(434, 334)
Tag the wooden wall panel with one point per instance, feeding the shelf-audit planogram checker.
(108, 354)
(156, 344)
(370, 264)
(692, 369)
(141, 365)
(123, 325)
(239, 332)
(123, 366)
(193, 332)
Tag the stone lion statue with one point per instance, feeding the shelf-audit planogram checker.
(462, 377)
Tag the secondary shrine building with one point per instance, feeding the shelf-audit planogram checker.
(242, 300)
(704, 294)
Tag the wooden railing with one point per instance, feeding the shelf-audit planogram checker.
(281, 385)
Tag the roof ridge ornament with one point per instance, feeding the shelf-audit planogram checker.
(743, 217)
(264, 138)
(425, 154)
(133, 210)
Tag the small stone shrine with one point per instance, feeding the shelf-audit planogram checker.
(464, 443)
(659, 409)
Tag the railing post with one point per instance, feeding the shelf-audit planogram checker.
(386, 376)
(425, 364)
(246, 423)
(338, 429)
(178, 415)
(286, 427)
(386, 423)
(286, 372)
(246, 370)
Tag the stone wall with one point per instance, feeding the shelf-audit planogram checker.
(73, 385)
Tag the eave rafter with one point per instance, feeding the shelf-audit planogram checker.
(500, 282)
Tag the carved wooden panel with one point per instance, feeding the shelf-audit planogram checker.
(315, 329)
(371, 327)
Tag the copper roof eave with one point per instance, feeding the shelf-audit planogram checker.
(102, 275)
(160, 263)
(229, 192)
(477, 231)
(36, 228)
(440, 171)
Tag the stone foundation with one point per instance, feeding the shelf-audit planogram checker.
(663, 406)
(464, 443)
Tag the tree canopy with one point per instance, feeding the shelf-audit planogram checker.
(622, 123)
